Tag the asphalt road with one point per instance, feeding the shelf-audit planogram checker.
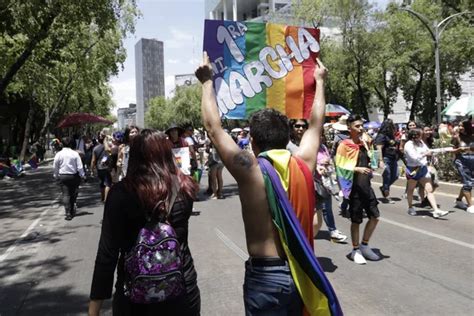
(46, 263)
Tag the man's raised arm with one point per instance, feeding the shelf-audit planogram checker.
(309, 144)
(225, 145)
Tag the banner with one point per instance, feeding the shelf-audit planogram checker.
(183, 159)
(258, 65)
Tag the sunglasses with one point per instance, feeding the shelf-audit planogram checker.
(300, 126)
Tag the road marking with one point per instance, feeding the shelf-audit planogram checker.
(25, 233)
(401, 187)
(231, 245)
(425, 232)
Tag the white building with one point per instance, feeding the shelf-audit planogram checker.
(185, 80)
(126, 116)
(241, 10)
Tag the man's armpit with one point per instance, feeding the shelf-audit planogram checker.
(243, 159)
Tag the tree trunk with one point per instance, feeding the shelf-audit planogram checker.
(26, 137)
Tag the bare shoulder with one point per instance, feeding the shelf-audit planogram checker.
(244, 160)
(243, 166)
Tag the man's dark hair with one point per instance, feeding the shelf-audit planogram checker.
(269, 129)
(67, 142)
(352, 118)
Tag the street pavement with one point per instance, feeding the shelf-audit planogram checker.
(46, 263)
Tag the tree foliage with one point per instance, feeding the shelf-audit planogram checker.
(183, 108)
(381, 54)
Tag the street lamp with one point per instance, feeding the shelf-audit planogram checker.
(436, 30)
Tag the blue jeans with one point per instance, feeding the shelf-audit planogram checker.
(326, 206)
(270, 290)
(390, 173)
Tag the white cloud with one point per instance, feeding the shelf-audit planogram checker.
(195, 61)
(178, 38)
(124, 92)
(173, 61)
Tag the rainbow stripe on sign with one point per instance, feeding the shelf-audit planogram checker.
(258, 65)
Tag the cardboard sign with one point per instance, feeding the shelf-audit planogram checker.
(258, 65)
(183, 159)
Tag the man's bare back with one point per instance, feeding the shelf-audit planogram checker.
(261, 234)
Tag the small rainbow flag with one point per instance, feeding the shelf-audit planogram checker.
(258, 65)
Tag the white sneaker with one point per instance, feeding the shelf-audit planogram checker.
(439, 213)
(460, 204)
(368, 253)
(337, 236)
(470, 209)
(412, 211)
(357, 257)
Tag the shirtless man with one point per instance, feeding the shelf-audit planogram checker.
(269, 129)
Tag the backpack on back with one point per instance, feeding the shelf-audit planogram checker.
(153, 267)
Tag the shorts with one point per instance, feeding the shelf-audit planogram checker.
(358, 203)
(465, 167)
(417, 173)
(105, 178)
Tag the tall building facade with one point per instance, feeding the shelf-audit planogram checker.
(149, 75)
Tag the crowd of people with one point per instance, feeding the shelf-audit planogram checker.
(288, 173)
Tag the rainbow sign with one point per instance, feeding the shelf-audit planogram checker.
(258, 65)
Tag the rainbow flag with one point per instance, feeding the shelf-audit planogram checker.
(282, 173)
(258, 65)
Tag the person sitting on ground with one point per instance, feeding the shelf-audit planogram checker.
(416, 153)
(354, 174)
(132, 203)
(464, 163)
(266, 218)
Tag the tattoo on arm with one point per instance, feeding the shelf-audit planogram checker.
(243, 159)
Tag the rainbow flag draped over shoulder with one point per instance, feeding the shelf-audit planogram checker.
(258, 65)
(281, 172)
(346, 161)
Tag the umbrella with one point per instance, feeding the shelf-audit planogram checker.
(336, 110)
(461, 107)
(372, 124)
(75, 119)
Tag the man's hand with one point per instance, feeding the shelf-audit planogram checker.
(381, 164)
(204, 72)
(321, 170)
(320, 72)
(363, 170)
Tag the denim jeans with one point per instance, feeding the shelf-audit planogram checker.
(270, 290)
(326, 206)
(390, 173)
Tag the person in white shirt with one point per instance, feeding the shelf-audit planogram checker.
(68, 171)
(416, 153)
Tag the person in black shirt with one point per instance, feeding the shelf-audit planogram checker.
(388, 156)
(151, 173)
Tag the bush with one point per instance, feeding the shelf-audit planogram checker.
(445, 165)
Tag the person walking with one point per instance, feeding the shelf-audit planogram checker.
(215, 173)
(387, 148)
(124, 150)
(275, 213)
(146, 193)
(101, 162)
(464, 162)
(354, 174)
(416, 155)
(68, 171)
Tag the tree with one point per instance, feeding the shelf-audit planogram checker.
(183, 108)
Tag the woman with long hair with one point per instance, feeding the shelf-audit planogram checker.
(387, 148)
(416, 154)
(152, 174)
(464, 162)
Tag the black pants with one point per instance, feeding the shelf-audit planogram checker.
(70, 189)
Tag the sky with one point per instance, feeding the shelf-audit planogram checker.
(180, 25)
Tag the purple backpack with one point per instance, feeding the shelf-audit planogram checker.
(153, 267)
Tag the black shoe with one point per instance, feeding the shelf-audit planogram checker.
(425, 203)
(68, 217)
